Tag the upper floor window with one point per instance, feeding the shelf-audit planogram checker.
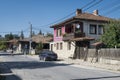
(92, 29)
(59, 32)
(100, 29)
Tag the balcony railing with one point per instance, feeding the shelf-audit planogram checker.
(69, 36)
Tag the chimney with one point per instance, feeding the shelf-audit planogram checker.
(95, 12)
(78, 11)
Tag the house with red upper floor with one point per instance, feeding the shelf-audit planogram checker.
(74, 35)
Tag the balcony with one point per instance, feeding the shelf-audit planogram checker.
(69, 36)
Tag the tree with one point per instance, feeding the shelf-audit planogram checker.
(49, 35)
(39, 46)
(2, 45)
(111, 37)
(9, 36)
(40, 32)
(33, 33)
(22, 35)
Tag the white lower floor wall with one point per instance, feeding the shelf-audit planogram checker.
(63, 49)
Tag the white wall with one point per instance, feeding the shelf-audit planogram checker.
(64, 53)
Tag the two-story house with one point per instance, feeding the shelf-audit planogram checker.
(78, 31)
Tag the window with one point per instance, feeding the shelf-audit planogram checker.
(61, 46)
(57, 47)
(69, 46)
(92, 29)
(59, 32)
(100, 29)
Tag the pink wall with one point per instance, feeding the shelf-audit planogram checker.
(59, 38)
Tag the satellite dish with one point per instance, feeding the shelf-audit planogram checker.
(78, 26)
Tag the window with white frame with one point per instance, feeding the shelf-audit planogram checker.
(100, 29)
(92, 29)
(59, 32)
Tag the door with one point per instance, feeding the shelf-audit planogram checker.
(51, 47)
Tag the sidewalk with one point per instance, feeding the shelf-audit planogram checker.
(84, 64)
(89, 65)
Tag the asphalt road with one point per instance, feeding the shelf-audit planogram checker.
(20, 67)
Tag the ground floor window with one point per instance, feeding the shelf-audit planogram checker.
(51, 47)
(57, 47)
(69, 45)
(61, 46)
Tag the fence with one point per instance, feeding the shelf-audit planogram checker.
(104, 54)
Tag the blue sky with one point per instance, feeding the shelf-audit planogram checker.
(15, 15)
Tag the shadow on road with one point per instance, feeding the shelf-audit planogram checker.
(6, 73)
(9, 54)
(113, 77)
(32, 64)
(7, 66)
(12, 77)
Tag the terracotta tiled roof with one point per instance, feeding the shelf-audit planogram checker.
(41, 38)
(82, 39)
(38, 39)
(88, 16)
(84, 16)
(13, 41)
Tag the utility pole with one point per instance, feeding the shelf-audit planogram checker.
(30, 42)
(30, 30)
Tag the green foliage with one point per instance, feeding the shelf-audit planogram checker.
(2, 45)
(22, 35)
(49, 35)
(40, 32)
(11, 36)
(111, 37)
(39, 48)
(33, 33)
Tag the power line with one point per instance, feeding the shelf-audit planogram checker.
(88, 4)
(114, 9)
(38, 29)
(107, 6)
(67, 15)
(93, 5)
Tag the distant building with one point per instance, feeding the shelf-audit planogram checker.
(36, 39)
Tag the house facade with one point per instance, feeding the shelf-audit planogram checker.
(76, 34)
(36, 39)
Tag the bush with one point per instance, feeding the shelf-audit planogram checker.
(39, 47)
(2, 45)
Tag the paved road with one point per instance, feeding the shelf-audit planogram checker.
(20, 67)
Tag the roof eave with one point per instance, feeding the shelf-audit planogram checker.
(62, 23)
